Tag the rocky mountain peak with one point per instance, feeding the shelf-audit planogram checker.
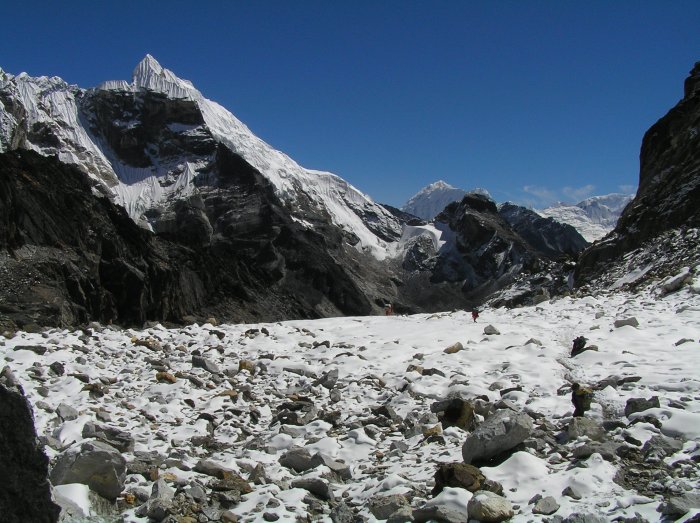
(150, 75)
(692, 82)
(479, 202)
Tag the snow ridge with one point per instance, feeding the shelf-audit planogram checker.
(52, 102)
(593, 217)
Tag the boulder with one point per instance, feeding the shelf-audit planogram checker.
(299, 412)
(674, 283)
(586, 427)
(631, 321)
(341, 513)
(317, 486)
(498, 434)
(328, 379)
(160, 504)
(455, 413)
(641, 404)
(200, 362)
(384, 506)
(445, 513)
(454, 348)
(25, 494)
(678, 506)
(488, 507)
(211, 468)
(95, 464)
(578, 517)
(459, 475)
(491, 330)
(66, 412)
(119, 439)
(300, 460)
(547, 506)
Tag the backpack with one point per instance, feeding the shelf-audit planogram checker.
(586, 396)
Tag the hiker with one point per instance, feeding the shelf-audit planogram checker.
(578, 347)
(581, 398)
(475, 314)
(388, 309)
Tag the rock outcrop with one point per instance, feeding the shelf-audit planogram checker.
(25, 494)
(669, 185)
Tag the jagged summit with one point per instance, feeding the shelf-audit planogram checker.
(150, 75)
(148, 153)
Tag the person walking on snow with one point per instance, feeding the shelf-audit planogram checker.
(475, 314)
(581, 398)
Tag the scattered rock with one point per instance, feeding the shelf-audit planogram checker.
(454, 348)
(317, 486)
(455, 413)
(300, 460)
(571, 492)
(631, 321)
(498, 434)
(547, 506)
(488, 507)
(578, 517)
(586, 427)
(327, 379)
(341, 513)
(491, 330)
(211, 468)
(206, 364)
(66, 412)
(678, 506)
(119, 439)
(674, 283)
(165, 377)
(641, 404)
(384, 506)
(92, 463)
(459, 475)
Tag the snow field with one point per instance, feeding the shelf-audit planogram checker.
(372, 355)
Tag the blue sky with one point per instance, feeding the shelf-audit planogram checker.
(535, 101)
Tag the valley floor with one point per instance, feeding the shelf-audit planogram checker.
(261, 370)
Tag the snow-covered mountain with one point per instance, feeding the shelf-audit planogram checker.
(128, 148)
(432, 199)
(593, 217)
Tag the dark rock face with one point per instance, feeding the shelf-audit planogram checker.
(486, 253)
(669, 184)
(70, 257)
(544, 234)
(25, 494)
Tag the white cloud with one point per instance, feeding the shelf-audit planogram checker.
(541, 197)
(576, 194)
(627, 189)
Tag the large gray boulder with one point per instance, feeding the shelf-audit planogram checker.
(117, 438)
(499, 433)
(25, 493)
(488, 507)
(95, 464)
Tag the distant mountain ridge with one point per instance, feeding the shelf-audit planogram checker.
(143, 200)
(594, 217)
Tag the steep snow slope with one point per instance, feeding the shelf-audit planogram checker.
(44, 114)
(593, 217)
